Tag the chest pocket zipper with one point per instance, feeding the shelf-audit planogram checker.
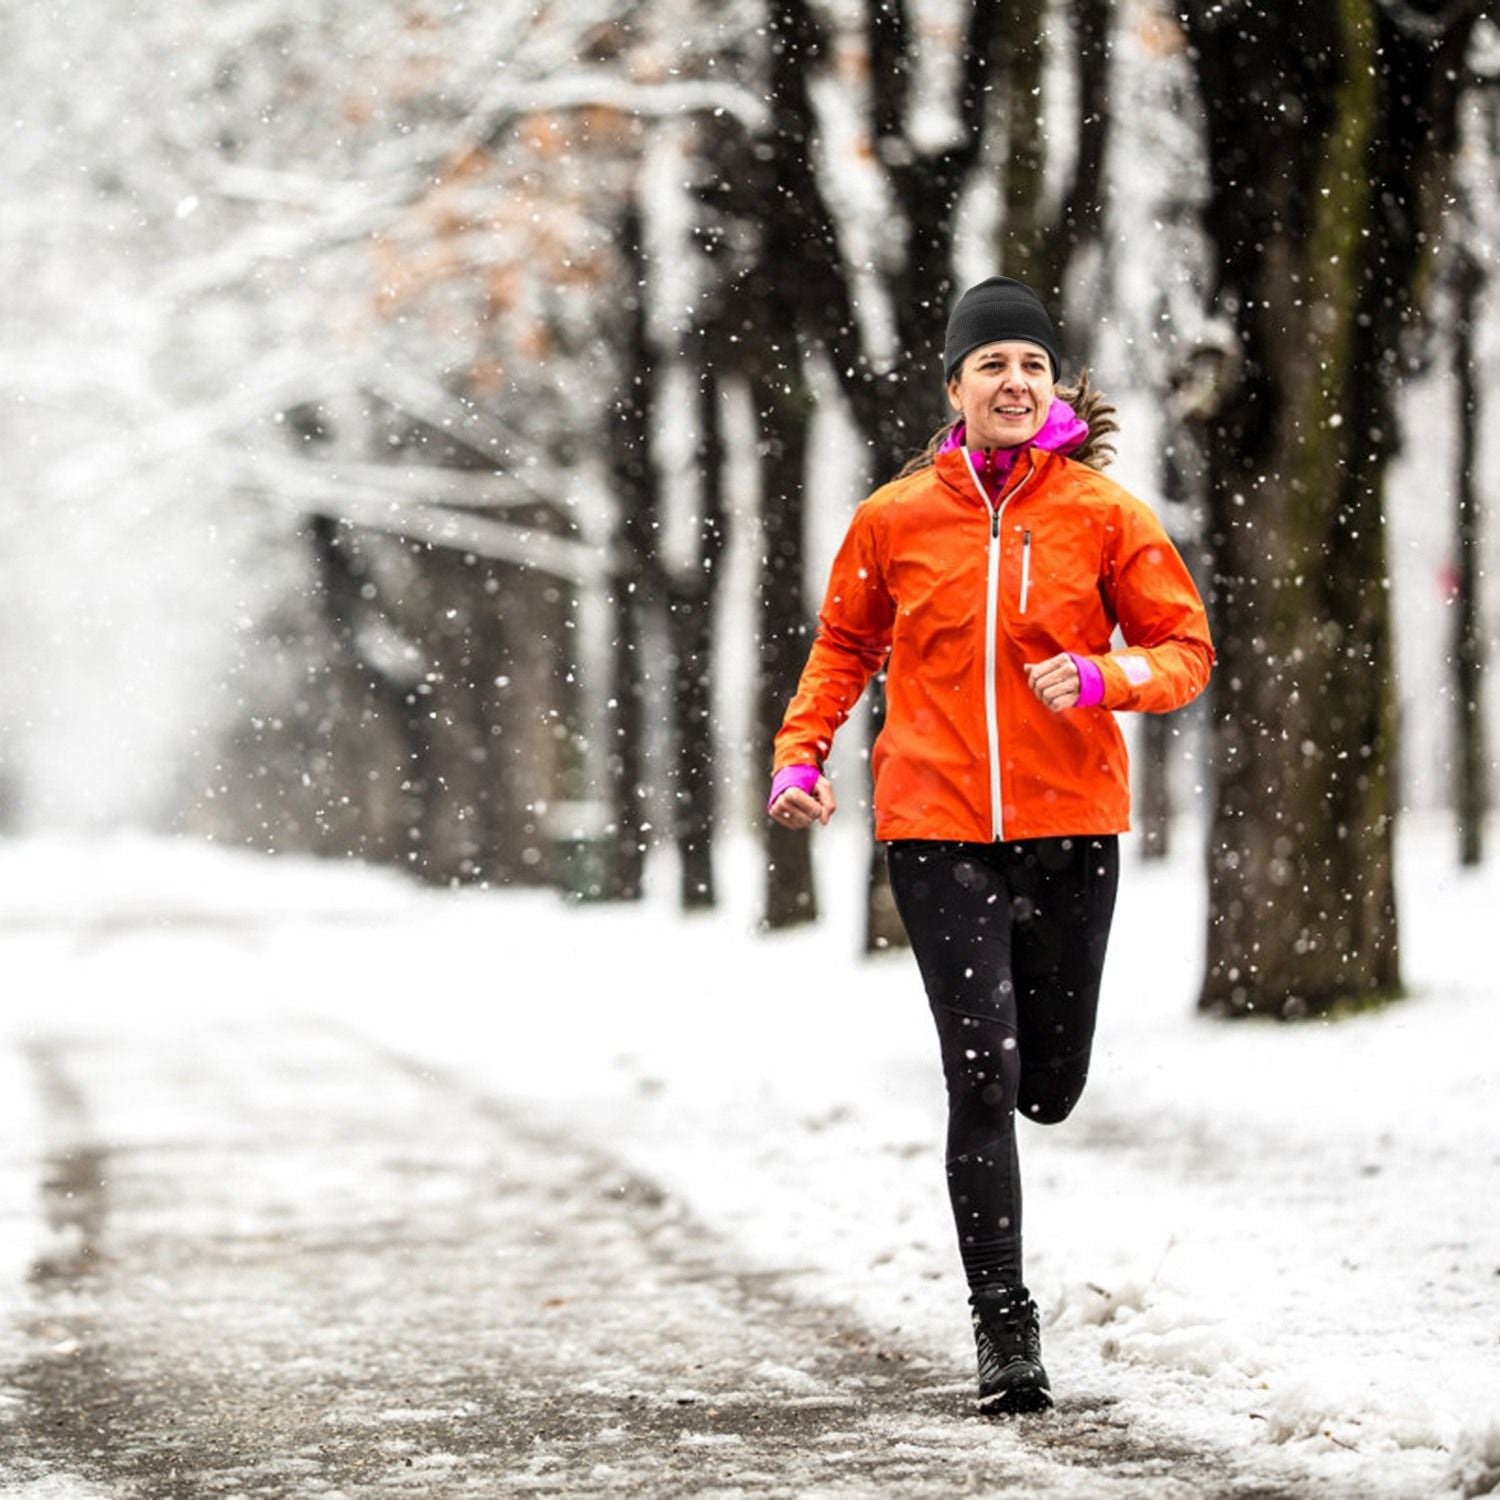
(1025, 569)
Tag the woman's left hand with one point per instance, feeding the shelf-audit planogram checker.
(1055, 681)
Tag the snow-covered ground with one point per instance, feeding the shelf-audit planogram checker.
(1276, 1239)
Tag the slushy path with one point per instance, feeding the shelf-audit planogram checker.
(279, 1263)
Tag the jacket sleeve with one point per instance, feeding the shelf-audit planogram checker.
(1168, 652)
(851, 644)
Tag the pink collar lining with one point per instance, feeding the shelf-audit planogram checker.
(1061, 430)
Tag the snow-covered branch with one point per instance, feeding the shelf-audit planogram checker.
(601, 90)
(316, 489)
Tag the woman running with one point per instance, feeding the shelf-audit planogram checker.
(989, 580)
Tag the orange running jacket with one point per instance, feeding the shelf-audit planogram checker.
(956, 595)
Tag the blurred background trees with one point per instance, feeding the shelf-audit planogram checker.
(428, 426)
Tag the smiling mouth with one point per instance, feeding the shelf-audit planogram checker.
(1012, 411)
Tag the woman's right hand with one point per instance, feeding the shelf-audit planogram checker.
(795, 808)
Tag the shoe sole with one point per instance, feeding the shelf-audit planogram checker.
(1017, 1402)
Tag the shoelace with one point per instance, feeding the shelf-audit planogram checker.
(1007, 1334)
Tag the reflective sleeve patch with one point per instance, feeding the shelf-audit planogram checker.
(1136, 669)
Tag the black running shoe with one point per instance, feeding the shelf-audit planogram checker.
(1007, 1336)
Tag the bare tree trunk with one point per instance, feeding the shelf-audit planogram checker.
(794, 285)
(1080, 219)
(341, 584)
(1471, 793)
(1153, 787)
(624, 761)
(1022, 233)
(897, 417)
(783, 408)
(691, 601)
(1152, 769)
(633, 478)
(1331, 131)
(1032, 247)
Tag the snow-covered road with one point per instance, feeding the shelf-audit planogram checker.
(314, 1183)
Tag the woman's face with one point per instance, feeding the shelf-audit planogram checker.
(1003, 392)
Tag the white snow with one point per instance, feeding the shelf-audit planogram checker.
(1275, 1239)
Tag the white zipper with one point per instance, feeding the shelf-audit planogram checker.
(991, 650)
(1025, 568)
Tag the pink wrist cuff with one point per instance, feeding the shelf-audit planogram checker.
(1090, 682)
(804, 778)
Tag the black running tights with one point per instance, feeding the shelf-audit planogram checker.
(1010, 939)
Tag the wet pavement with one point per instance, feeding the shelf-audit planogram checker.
(278, 1262)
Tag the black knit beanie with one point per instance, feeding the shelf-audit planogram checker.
(995, 310)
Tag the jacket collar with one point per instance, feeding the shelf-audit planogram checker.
(952, 467)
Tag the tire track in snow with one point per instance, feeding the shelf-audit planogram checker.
(283, 1264)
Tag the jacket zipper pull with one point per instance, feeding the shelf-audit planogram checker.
(994, 521)
(1025, 568)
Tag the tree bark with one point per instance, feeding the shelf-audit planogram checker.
(1180, 470)
(341, 581)
(1080, 221)
(897, 416)
(1153, 787)
(783, 407)
(691, 600)
(1471, 792)
(794, 285)
(633, 478)
(1331, 131)
(1021, 241)
(1033, 248)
